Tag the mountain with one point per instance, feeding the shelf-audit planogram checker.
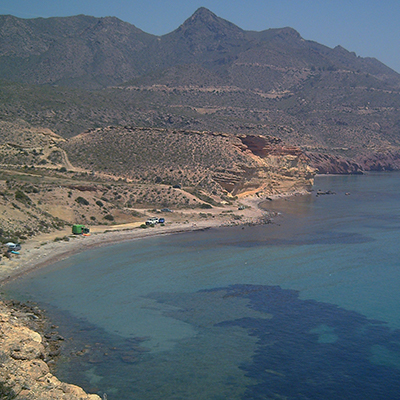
(76, 51)
(99, 52)
(77, 73)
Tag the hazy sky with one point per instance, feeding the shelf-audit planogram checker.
(371, 28)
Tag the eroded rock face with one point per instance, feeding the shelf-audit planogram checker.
(23, 368)
(270, 168)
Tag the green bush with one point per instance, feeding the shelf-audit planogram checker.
(82, 201)
(109, 217)
(22, 197)
(16, 206)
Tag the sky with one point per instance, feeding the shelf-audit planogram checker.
(370, 28)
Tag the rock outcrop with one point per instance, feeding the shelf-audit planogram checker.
(333, 164)
(271, 167)
(384, 160)
(380, 161)
(23, 355)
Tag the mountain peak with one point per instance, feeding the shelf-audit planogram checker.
(203, 11)
(203, 15)
(205, 20)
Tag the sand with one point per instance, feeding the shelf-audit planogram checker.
(47, 249)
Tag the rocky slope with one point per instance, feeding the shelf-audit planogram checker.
(24, 358)
(216, 163)
(384, 160)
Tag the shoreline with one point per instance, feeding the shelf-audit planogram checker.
(53, 252)
(43, 250)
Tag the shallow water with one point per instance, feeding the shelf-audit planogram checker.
(306, 308)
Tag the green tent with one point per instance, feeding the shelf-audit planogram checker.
(78, 229)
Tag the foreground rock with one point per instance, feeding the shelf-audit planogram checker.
(23, 370)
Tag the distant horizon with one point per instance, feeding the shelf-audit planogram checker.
(369, 28)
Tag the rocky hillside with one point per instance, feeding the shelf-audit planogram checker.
(79, 50)
(216, 163)
(84, 50)
(114, 175)
(207, 75)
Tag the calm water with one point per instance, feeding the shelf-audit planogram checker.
(307, 308)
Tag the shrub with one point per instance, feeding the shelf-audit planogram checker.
(22, 197)
(59, 239)
(16, 206)
(99, 203)
(205, 205)
(6, 393)
(82, 201)
(109, 217)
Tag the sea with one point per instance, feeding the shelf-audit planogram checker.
(307, 307)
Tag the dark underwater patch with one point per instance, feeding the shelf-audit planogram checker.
(293, 363)
(304, 350)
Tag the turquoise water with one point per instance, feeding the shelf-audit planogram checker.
(305, 308)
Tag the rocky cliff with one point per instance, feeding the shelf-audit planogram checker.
(272, 168)
(24, 359)
(384, 160)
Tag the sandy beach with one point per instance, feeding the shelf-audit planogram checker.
(46, 249)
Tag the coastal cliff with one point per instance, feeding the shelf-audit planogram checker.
(215, 163)
(384, 160)
(24, 359)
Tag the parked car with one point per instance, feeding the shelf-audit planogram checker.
(152, 221)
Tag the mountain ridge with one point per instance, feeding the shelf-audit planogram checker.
(76, 73)
(108, 51)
